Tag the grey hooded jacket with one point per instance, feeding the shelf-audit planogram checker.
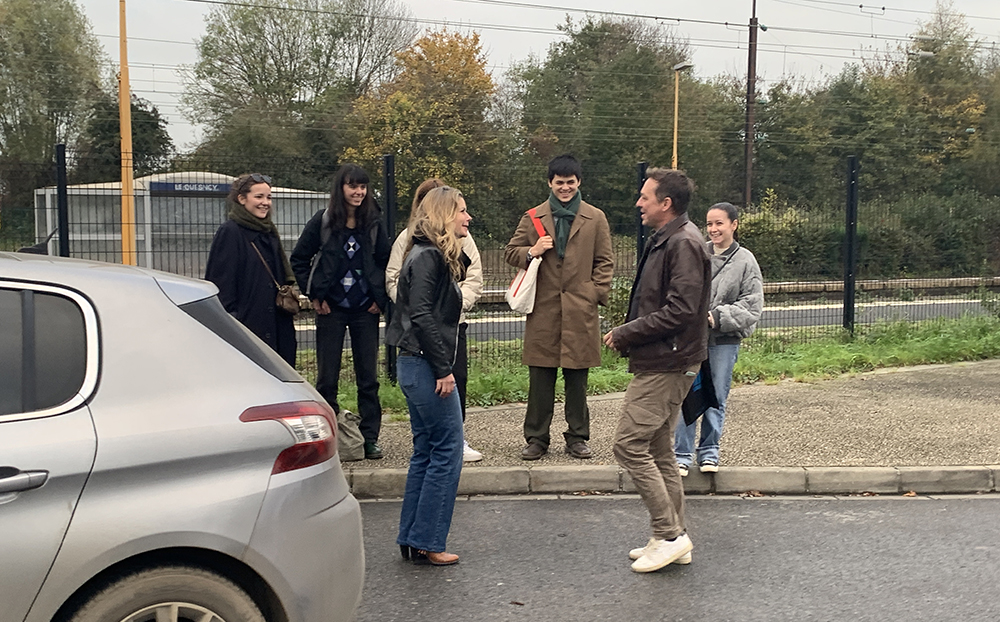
(737, 295)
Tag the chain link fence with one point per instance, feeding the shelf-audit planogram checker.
(917, 257)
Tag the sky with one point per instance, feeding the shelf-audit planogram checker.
(808, 40)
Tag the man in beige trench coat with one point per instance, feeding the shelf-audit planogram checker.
(564, 328)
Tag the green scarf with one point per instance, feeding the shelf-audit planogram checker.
(243, 217)
(563, 215)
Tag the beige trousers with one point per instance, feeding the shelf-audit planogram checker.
(644, 445)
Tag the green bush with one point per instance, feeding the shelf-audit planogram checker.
(912, 236)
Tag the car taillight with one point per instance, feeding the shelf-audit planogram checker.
(312, 425)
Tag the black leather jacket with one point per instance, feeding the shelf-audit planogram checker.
(428, 305)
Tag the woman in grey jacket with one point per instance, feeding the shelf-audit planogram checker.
(734, 309)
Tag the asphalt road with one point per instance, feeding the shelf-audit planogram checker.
(505, 327)
(882, 559)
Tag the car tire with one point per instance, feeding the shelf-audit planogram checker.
(176, 593)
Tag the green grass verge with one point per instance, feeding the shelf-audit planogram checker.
(770, 358)
(496, 375)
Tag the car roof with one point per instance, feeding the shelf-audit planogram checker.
(85, 275)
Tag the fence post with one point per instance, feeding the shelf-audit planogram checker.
(851, 242)
(62, 201)
(640, 231)
(389, 186)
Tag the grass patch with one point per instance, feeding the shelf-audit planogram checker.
(496, 375)
(770, 358)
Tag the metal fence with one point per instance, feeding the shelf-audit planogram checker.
(914, 259)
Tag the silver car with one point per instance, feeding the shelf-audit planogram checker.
(157, 461)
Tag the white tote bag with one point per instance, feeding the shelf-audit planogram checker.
(521, 293)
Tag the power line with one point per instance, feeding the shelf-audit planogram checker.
(881, 18)
(901, 10)
(547, 7)
(395, 18)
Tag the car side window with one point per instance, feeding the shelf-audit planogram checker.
(43, 350)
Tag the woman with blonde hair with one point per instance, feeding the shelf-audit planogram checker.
(425, 329)
(472, 289)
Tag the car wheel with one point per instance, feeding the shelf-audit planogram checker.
(170, 594)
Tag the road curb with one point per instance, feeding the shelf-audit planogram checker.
(368, 483)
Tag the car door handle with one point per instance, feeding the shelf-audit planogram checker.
(26, 480)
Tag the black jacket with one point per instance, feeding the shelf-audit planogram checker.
(667, 325)
(332, 261)
(428, 306)
(246, 289)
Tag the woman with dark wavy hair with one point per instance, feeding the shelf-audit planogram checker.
(425, 329)
(246, 262)
(340, 263)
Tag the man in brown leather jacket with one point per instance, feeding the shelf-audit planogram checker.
(665, 337)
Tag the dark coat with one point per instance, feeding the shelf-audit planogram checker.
(246, 290)
(667, 325)
(428, 308)
(332, 261)
(564, 330)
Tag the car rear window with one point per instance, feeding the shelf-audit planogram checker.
(43, 350)
(213, 316)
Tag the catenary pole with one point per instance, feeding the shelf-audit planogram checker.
(749, 133)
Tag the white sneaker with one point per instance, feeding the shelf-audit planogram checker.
(469, 454)
(660, 553)
(709, 467)
(683, 469)
(634, 554)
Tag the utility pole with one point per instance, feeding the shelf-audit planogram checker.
(678, 68)
(125, 127)
(748, 137)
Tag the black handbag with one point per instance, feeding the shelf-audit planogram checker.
(702, 395)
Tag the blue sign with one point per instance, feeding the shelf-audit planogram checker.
(187, 187)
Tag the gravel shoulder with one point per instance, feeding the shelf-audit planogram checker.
(933, 415)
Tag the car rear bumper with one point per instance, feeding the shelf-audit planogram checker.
(308, 544)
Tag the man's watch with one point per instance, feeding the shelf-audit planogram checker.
(529, 255)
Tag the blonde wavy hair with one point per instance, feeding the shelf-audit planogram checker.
(434, 220)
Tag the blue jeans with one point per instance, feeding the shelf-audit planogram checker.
(436, 464)
(722, 359)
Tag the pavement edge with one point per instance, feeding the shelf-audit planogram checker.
(382, 483)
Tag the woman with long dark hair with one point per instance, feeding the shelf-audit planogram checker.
(425, 329)
(247, 263)
(340, 263)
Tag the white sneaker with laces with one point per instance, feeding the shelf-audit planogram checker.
(660, 553)
(469, 454)
(683, 469)
(709, 467)
(635, 554)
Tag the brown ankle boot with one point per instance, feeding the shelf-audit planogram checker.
(436, 559)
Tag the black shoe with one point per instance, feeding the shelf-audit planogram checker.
(579, 450)
(372, 451)
(533, 451)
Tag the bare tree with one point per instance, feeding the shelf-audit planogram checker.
(292, 53)
(377, 31)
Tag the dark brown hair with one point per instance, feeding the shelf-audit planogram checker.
(674, 184)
